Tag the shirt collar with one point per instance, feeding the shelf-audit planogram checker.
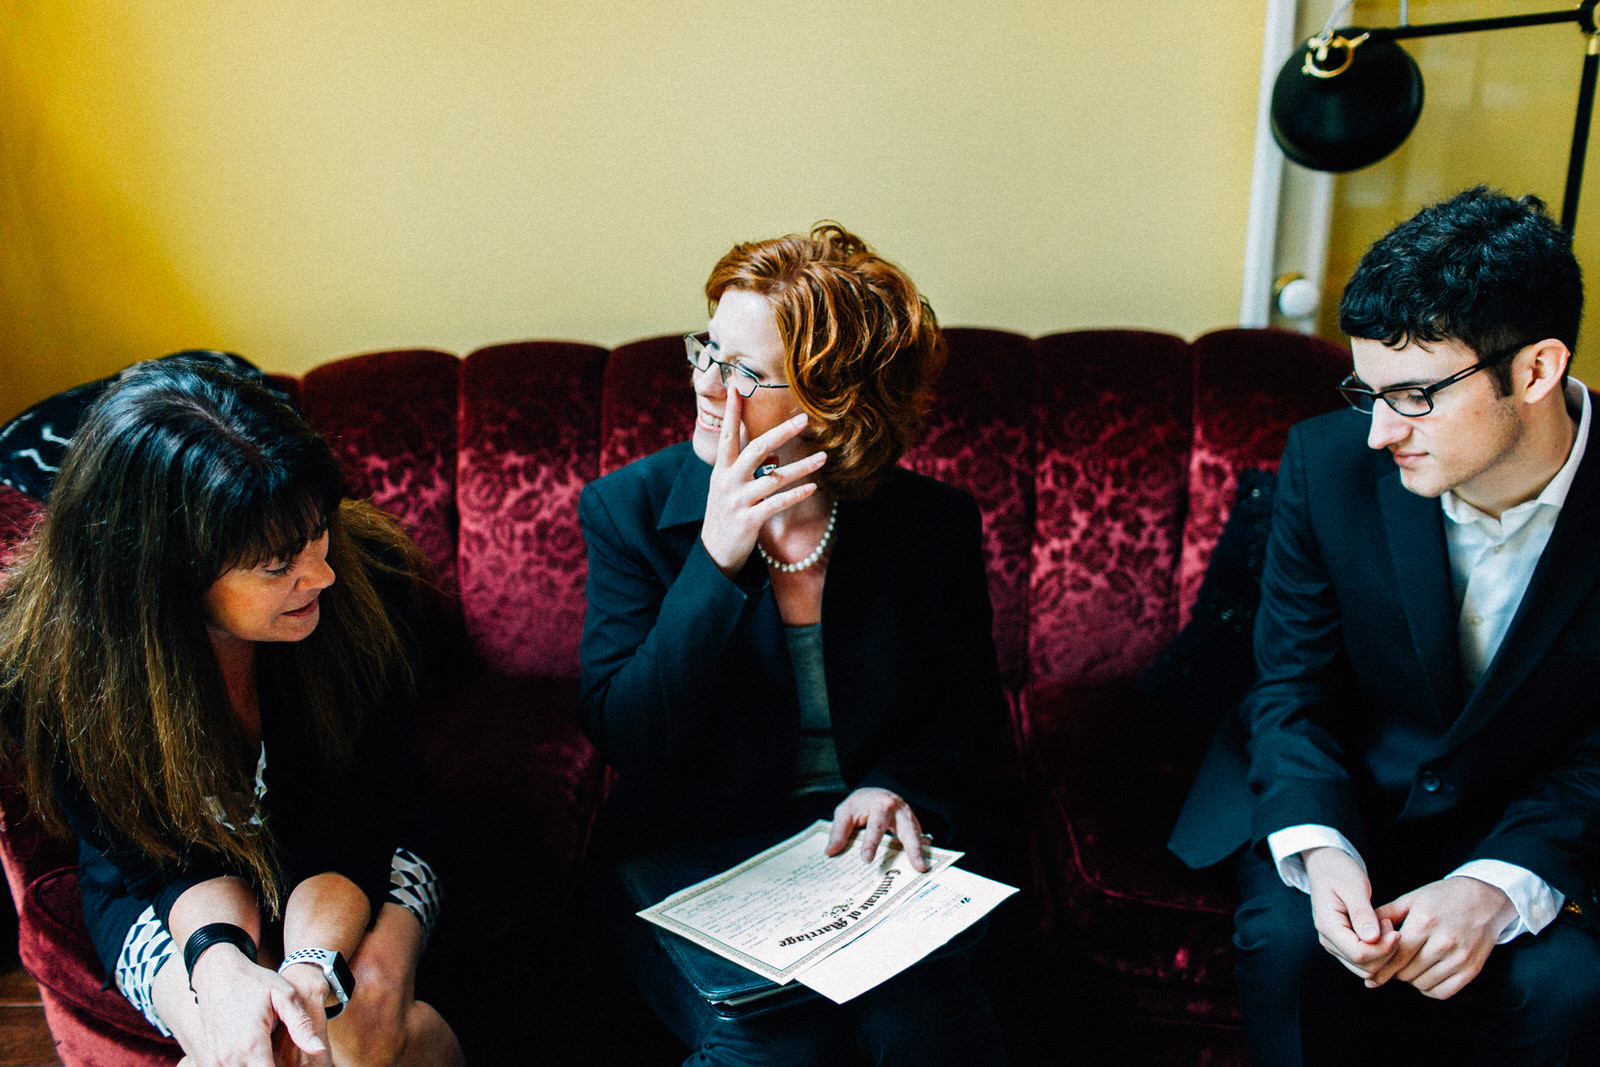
(1553, 494)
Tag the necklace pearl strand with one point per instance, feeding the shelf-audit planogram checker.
(816, 553)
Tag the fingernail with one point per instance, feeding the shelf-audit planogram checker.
(1367, 932)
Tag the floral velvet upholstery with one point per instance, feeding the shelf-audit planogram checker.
(1249, 386)
(530, 432)
(979, 436)
(397, 446)
(1104, 462)
(1110, 765)
(1113, 415)
(648, 401)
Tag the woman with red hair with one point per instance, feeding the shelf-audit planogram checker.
(784, 625)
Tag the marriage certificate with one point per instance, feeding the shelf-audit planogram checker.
(786, 909)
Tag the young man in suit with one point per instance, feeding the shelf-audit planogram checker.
(1415, 774)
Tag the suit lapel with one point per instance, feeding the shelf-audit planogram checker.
(1414, 526)
(1565, 576)
(686, 500)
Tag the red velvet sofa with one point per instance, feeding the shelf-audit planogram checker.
(1105, 462)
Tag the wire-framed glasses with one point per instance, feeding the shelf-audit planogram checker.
(740, 379)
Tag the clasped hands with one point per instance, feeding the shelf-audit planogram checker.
(1435, 938)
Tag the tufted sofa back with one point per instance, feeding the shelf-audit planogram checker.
(1104, 462)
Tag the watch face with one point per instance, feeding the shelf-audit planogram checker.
(341, 980)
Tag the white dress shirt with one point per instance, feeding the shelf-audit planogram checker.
(1491, 563)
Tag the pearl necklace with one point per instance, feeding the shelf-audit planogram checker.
(816, 553)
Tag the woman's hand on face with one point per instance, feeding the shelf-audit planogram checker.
(874, 812)
(739, 503)
(249, 1011)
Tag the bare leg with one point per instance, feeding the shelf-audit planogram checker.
(384, 1023)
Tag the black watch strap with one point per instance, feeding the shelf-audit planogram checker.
(212, 934)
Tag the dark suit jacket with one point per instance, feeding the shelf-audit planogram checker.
(687, 686)
(1358, 719)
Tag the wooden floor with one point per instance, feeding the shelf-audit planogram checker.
(24, 1038)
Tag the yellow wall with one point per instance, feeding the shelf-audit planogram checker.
(1498, 109)
(303, 179)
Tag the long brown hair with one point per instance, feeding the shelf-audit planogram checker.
(179, 473)
(862, 348)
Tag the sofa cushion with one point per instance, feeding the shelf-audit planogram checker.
(979, 436)
(1112, 416)
(518, 786)
(1109, 771)
(1208, 667)
(648, 401)
(1250, 386)
(390, 418)
(530, 416)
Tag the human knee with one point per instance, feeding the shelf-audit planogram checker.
(1558, 979)
(372, 1028)
(1276, 928)
(370, 1032)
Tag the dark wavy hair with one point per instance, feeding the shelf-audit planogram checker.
(1493, 273)
(862, 348)
(178, 473)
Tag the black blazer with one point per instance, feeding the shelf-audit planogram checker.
(1358, 719)
(687, 686)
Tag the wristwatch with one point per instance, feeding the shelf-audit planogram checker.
(340, 980)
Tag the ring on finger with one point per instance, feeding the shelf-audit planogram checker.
(766, 469)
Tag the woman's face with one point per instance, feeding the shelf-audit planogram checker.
(275, 601)
(744, 331)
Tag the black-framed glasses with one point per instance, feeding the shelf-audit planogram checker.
(740, 379)
(1412, 401)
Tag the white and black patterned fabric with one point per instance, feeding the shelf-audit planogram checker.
(33, 443)
(414, 886)
(146, 948)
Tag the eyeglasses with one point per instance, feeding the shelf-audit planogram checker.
(739, 378)
(1412, 401)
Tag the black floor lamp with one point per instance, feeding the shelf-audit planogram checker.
(1349, 97)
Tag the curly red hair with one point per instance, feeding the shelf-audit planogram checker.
(862, 348)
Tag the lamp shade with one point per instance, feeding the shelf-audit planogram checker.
(1346, 103)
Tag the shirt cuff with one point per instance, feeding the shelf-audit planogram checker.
(1537, 902)
(1289, 845)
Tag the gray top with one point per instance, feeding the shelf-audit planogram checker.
(816, 763)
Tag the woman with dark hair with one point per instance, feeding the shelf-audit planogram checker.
(221, 723)
(784, 625)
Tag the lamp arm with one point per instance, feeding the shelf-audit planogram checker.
(1583, 15)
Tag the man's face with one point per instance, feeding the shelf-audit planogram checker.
(1472, 441)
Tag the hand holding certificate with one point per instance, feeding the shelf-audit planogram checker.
(785, 911)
